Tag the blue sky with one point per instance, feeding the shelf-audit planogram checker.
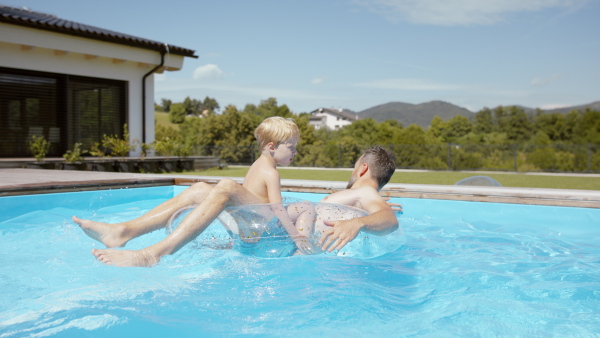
(357, 54)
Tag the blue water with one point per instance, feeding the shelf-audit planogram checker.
(467, 269)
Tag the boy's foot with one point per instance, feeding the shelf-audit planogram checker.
(110, 235)
(125, 257)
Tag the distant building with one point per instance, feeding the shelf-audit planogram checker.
(331, 118)
(71, 82)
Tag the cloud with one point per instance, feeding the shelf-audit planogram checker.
(318, 80)
(459, 12)
(409, 84)
(551, 106)
(208, 72)
(538, 82)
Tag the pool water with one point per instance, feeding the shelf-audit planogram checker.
(467, 269)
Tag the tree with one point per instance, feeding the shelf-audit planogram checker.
(177, 113)
(387, 131)
(211, 105)
(166, 105)
(192, 106)
(553, 125)
(437, 128)
(518, 128)
(482, 122)
(500, 120)
(363, 132)
(590, 124)
(269, 107)
(458, 126)
(573, 130)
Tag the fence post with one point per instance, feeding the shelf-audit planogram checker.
(449, 160)
(515, 155)
(590, 155)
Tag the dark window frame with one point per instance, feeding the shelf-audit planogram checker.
(42, 103)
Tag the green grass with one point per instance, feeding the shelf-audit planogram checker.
(432, 177)
(163, 119)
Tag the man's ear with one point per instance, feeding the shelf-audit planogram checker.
(363, 169)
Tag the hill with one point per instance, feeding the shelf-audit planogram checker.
(419, 114)
(593, 106)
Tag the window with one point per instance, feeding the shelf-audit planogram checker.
(96, 108)
(64, 109)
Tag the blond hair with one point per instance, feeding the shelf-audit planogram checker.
(278, 130)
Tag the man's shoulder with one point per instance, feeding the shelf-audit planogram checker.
(352, 196)
(365, 192)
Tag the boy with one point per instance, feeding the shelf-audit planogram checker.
(277, 138)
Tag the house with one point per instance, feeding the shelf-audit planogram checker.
(332, 119)
(72, 82)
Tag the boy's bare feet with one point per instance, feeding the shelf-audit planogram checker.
(126, 257)
(111, 235)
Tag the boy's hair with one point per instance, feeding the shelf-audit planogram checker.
(382, 164)
(278, 130)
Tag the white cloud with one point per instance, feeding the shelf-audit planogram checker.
(318, 80)
(551, 106)
(208, 72)
(459, 12)
(538, 82)
(409, 84)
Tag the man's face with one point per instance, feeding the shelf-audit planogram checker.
(355, 172)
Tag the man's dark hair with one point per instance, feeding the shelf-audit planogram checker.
(382, 164)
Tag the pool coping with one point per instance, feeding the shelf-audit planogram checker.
(533, 196)
(15, 182)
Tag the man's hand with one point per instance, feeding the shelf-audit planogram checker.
(305, 246)
(340, 233)
(395, 206)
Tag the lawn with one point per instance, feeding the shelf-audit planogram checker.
(591, 182)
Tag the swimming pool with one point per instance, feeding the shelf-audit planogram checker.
(467, 269)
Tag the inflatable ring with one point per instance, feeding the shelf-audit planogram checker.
(255, 230)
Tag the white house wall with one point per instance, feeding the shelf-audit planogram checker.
(331, 121)
(34, 49)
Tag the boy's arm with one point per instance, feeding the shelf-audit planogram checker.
(273, 182)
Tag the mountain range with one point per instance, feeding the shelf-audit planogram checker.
(421, 114)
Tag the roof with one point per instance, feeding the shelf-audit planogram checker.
(48, 22)
(338, 112)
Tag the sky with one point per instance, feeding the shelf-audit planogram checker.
(357, 54)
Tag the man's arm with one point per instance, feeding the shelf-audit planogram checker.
(381, 221)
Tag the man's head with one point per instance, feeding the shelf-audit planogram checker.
(276, 130)
(380, 162)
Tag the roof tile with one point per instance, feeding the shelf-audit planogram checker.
(48, 22)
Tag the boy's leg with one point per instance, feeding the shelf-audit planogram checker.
(118, 234)
(304, 215)
(225, 193)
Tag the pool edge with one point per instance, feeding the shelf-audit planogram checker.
(31, 181)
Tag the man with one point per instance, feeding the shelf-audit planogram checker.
(371, 172)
